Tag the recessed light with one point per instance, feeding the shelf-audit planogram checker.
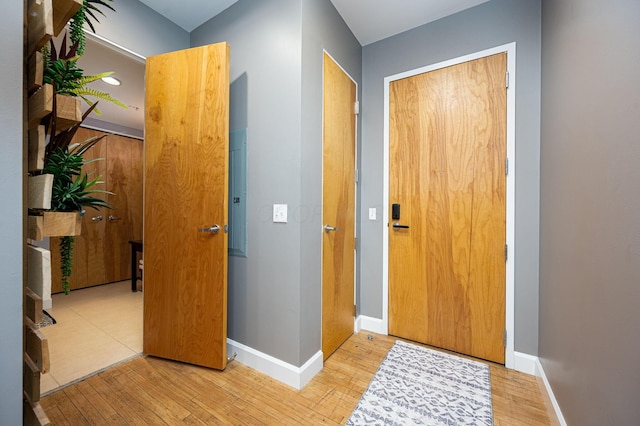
(111, 80)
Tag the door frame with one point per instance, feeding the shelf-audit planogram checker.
(355, 201)
(510, 49)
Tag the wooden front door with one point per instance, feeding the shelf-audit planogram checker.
(338, 207)
(185, 205)
(447, 154)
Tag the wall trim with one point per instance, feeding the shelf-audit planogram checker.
(525, 363)
(510, 49)
(296, 377)
(554, 402)
(375, 325)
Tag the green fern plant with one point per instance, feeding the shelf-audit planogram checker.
(86, 14)
(62, 71)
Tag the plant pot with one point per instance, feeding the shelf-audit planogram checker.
(54, 224)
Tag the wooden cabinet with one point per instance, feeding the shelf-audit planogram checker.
(101, 253)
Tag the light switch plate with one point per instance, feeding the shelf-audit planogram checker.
(280, 213)
(372, 213)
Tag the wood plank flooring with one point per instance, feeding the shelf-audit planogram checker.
(152, 391)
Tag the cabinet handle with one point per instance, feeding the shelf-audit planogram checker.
(112, 218)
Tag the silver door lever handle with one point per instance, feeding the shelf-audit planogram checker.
(328, 228)
(96, 218)
(112, 218)
(214, 229)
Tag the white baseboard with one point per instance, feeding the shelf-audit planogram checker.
(525, 363)
(556, 407)
(376, 325)
(286, 373)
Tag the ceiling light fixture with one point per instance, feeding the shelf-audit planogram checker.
(112, 81)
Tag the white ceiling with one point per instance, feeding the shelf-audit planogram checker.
(370, 20)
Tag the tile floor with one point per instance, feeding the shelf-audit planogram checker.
(96, 327)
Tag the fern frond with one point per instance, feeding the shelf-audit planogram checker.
(83, 92)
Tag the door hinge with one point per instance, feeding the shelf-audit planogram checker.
(505, 339)
(357, 175)
(355, 243)
(507, 80)
(355, 311)
(356, 108)
(506, 252)
(506, 166)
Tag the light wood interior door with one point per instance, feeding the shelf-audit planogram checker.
(338, 207)
(124, 177)
(447, 145)
(101, 252)
(185, 192)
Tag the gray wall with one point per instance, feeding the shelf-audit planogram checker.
(590, 206)
(485, 26)
(264, 288)
(11, 226)
(141, 29)
(276, 73)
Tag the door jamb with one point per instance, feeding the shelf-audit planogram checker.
(510, 49)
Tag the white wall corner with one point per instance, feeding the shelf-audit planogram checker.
(375, 325)
(551, 397)
(357, 324)
(296, 377)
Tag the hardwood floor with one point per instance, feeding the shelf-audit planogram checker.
(153, 391)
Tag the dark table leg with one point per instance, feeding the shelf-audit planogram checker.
(134, 274)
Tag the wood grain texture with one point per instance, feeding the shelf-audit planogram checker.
(35, 72)
(53, 224)
(338, 206)
(36, 346)
(63, 11)
(32, 306)
(40, 104)
(88, 248)
(39, 25)
(102, 251)
(149, 390)
(447, 162)
(31, 380)
(37, 144)
(119, 230)
(39, 190)
(68, 111)
(186, 183)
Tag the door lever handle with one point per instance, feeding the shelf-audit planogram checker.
(397, 226)
(328, 228)
(112, 218)
(96, 218)
(214, 229)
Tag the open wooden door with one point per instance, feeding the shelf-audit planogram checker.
(338, 207)
(185, 205)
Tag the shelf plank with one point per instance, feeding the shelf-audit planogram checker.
(63, 10)
(39, 273)
(40, 105)
(35, 72)
(37, 346)
(31, 380)
(53, 224)
(39, 196)
(37, 147)
(34, 415)
(68, 112)
(40, 24)
(33, 305)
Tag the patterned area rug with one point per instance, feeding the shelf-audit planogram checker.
(420, 386)
(47, 320)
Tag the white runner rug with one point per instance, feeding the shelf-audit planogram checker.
(420, 386)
